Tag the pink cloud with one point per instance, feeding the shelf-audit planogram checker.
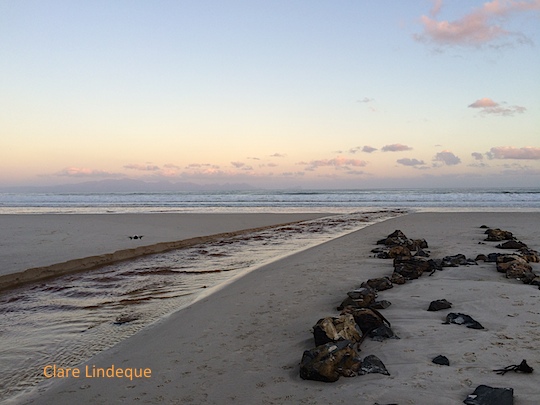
(480, 26)
(144, 168)
(197, 165)
(366, 149)
(338, 162)
(488, 106)
(447, 157)
(171, 166)
(84, 172)
(484, 103)
(396, 147)
(509, 152)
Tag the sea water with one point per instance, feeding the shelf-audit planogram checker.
(271, 201)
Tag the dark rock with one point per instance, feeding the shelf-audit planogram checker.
(514, 268)
(411, 268)
(330, 361)
(372, 364)
(398, 238)
(535, 281)
(512, 244)
(484, 227)
(527, 277)
(381, 333)
(485, 395)
(421, 253)
(125, 318)
(399, 251)
(439, 305)
(441, 360)
(505, 258)
(532, 256)
(454, 261)
(367, 319)
(333, 329)
(378, 284)
(359, 298)
(420, 244)
(462, 319)
(481, 257)
(496, 235)
(492, 257)
(382, 304)
(397, 278)
(436, 264)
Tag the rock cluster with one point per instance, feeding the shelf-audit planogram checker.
(513, 265)
(337, 339)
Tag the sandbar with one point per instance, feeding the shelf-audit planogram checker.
(44, 245)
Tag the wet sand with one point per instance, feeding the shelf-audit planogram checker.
(38, 246)
(243, 343)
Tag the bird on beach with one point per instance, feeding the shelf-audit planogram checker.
(136, 237)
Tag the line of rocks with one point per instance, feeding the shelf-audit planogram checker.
(513, 265)
(338, 339)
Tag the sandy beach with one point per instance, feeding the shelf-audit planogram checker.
(48, 244)
(243, 343)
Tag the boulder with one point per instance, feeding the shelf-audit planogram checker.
(372, 364)
(381, 333)
(399, 251)
(513, 265)
(462, 319)
(330, 361)
(496, 235)
(485, 395)
(454, 261)
(359, 298)
(492, 257)
(421, 253)
(367, 319)
(378, 284)
(532, 256)
(411, 268)
(512, 244)
(382, 304)
(439, 305)
(332, 329)
(441, 360)
(397, 278)
(419, 244)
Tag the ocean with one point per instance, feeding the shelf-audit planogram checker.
(69, 319)
(271, 201)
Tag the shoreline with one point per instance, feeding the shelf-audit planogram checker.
(262, 325)
(69, 243)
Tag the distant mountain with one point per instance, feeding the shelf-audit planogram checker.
(127, 186)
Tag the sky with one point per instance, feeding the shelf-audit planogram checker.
(275, 94)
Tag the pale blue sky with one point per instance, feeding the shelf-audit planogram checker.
(272, 93)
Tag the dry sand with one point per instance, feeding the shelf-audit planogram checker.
(243, 343)
(49, 244)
